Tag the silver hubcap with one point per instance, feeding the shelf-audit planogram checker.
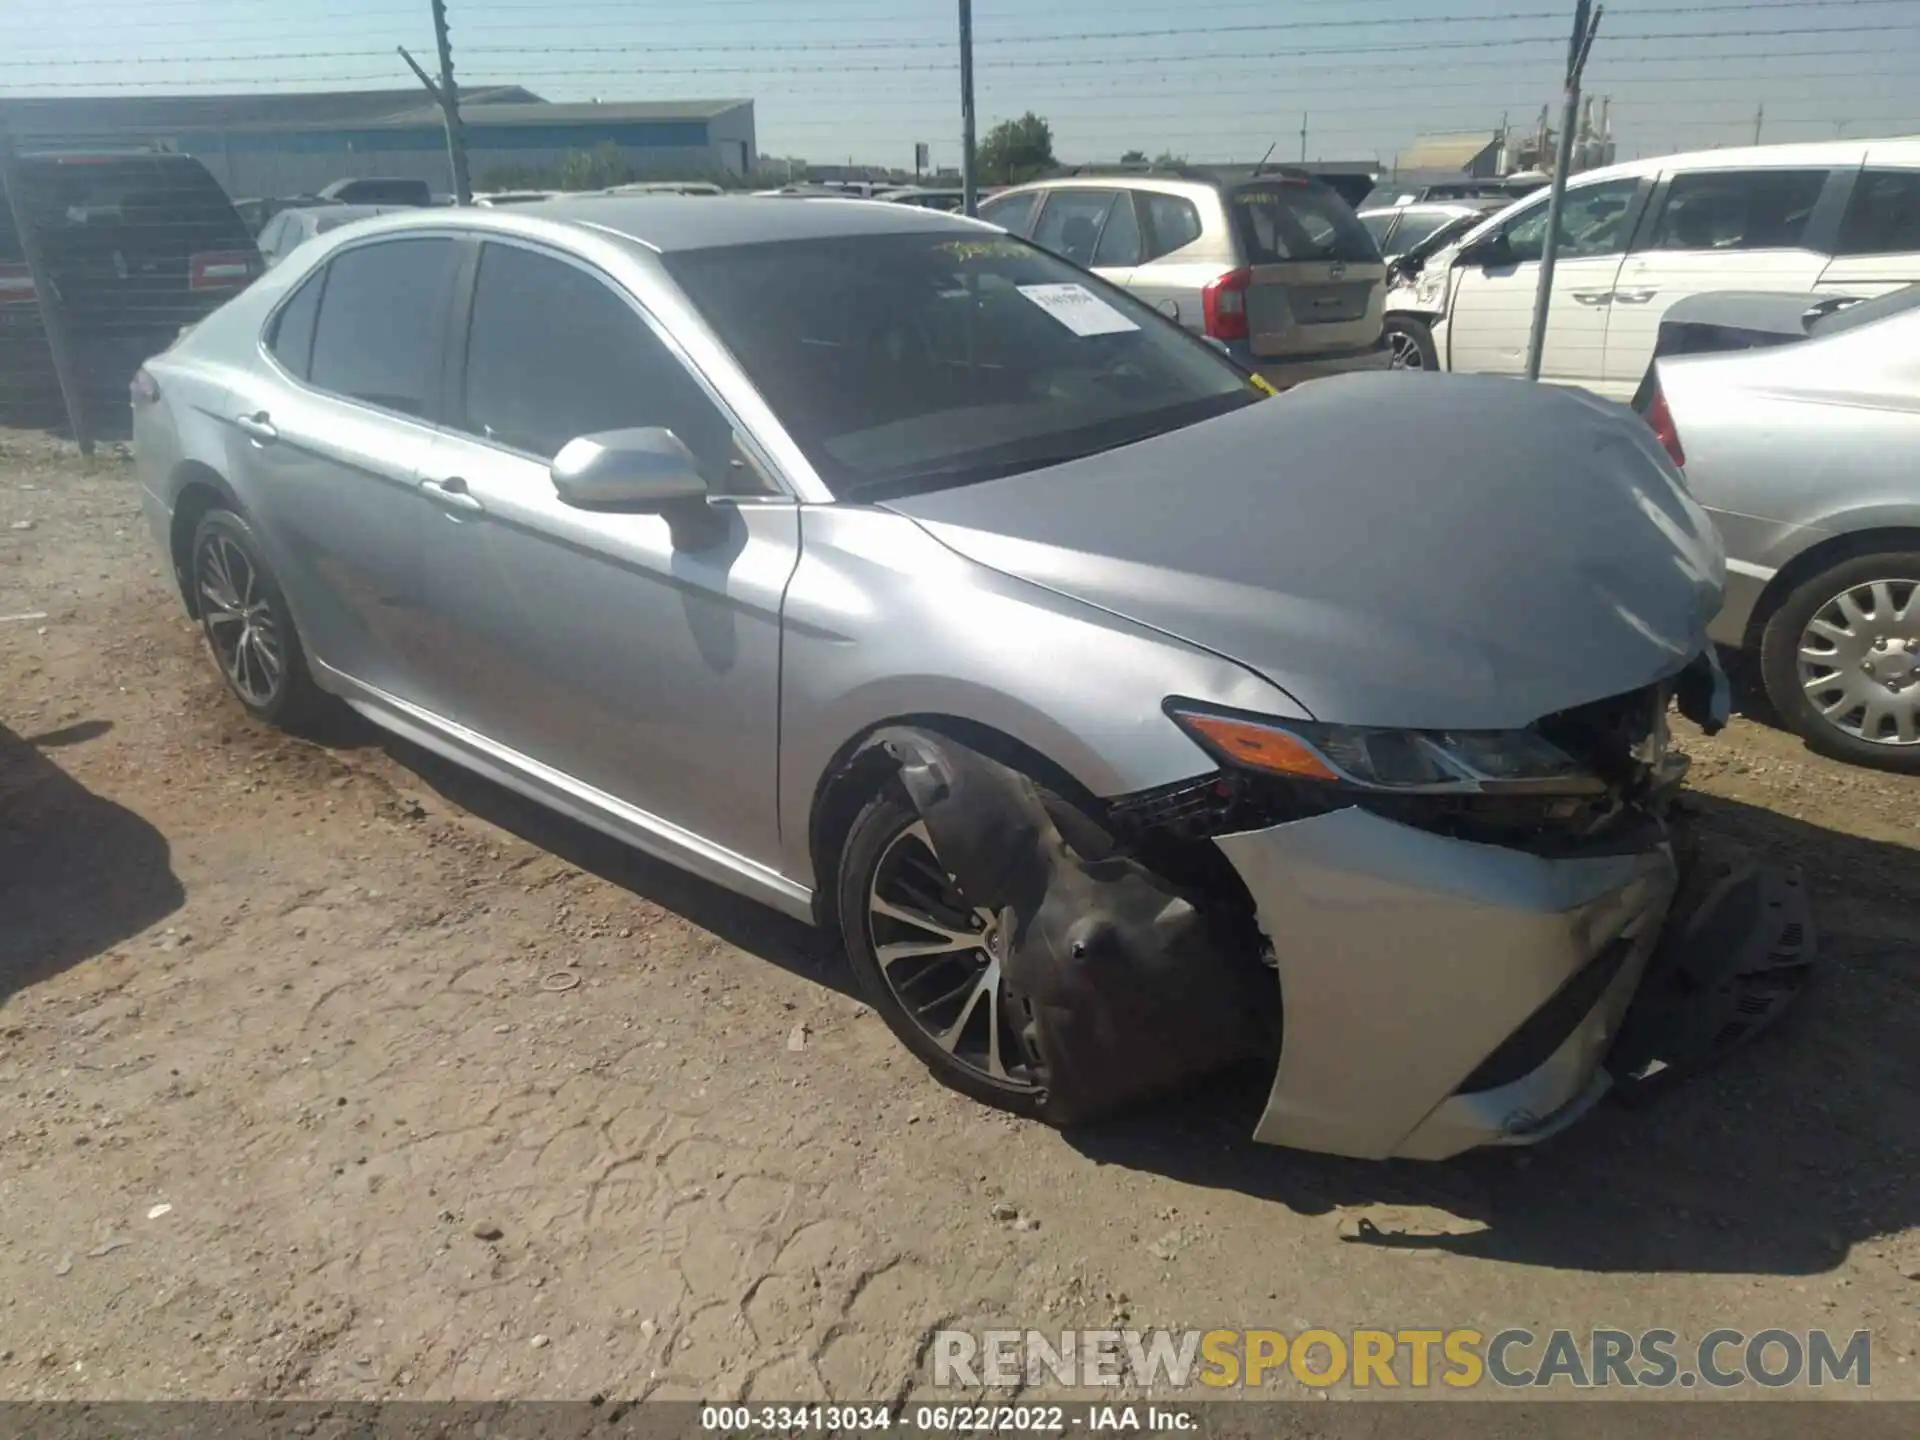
(1859, 662)
(941, 958)
(239, 623)
(1403, 352)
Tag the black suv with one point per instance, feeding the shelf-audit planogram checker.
(139, 244)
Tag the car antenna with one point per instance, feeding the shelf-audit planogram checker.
(1261, 167)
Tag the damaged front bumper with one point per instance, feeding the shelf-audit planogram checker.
(1440, 994)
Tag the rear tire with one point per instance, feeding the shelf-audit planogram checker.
(1833, 654)
(249, 629)
(1410, 342)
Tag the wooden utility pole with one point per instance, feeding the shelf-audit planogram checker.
(450, 108)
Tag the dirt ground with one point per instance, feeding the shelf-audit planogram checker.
(326, 1071)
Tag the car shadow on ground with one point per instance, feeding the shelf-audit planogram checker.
(1778, 1161)
(755, 928)
(78, 873)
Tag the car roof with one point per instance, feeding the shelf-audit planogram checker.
(666, 223)
(1903, 151)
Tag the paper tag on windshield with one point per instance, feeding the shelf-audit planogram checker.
(1078, 308)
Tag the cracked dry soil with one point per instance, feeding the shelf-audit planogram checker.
(451, 1098)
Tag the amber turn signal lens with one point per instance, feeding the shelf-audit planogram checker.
(1260, 747)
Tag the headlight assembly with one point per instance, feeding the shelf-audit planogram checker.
(1405, 762)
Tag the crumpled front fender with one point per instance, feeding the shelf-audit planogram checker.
(1122, 984)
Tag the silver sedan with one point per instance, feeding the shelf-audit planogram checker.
(1805, 449)
(882, 568)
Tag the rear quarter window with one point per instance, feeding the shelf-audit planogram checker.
(1282, 220)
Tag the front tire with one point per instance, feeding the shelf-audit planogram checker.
(1840, 661)
(928, 963)
(1410, 344)
(248, 627)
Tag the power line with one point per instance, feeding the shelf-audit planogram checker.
(1424, 47)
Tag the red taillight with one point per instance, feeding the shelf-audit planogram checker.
(16, 285)
(1223, 304)
(144, 388)
(1660, 418)
(220, 270)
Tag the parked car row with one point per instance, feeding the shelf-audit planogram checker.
(1839, 218)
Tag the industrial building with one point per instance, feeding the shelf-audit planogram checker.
(292, 144)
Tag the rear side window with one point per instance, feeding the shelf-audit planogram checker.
(1289, 220)
(379, 332)
(291, 339)
(1070, 223)
(1378, 225)
(1883, 217)
(554, 353)
(1120, 240)
(1011, 212)
(1173, 223)
(1738, 209)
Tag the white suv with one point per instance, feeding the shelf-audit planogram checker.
(1842, 217)
(1274, 266)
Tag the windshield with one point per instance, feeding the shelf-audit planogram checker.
(907, 362)
(1850, 317)
(1285, 219)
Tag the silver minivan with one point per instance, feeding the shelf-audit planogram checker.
(1274, 266)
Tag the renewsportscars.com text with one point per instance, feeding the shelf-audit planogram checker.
(1401, 1359)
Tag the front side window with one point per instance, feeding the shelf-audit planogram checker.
(1379, 225)
(1883, 215)
(555, 353)
(1012, 213)
(1593, 221)
(1738, 209)
(382, 319)
(903, 363)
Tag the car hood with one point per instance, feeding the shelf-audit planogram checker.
(1448, 552)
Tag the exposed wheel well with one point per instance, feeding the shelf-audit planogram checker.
(1812, 561)
(199, 490)
(854, 776)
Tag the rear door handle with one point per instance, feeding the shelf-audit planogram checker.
(452, 494)
(257, 428)
(1634, 297)
(1593, 297)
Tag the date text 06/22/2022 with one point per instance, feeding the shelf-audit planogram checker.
(941, 1419)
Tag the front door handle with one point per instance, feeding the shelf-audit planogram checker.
(1634, 297)
(257, 428)
(1593, 297)
(452, 494)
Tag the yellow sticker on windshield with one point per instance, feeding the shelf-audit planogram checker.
(1259, 383)
(966, 250)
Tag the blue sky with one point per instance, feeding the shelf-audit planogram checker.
(1208, 79)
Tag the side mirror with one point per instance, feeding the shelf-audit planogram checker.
(646, 469)
(1494, 250)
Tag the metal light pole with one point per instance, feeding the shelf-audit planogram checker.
(969, 181)
(1586, 20)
